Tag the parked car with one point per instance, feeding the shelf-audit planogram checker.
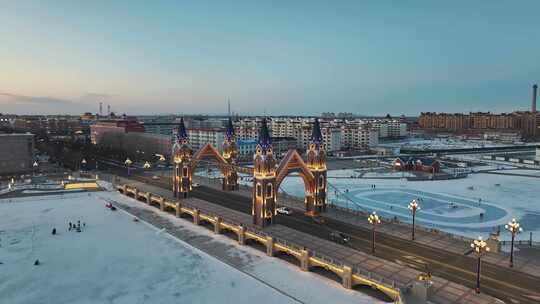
(155, 177)
(284, 210)
(318, 219)
(339, 237)
(195, 185)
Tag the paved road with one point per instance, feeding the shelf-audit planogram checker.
(508, 285)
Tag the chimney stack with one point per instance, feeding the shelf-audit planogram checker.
(535, 89)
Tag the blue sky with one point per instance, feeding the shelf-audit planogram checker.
(274, 57)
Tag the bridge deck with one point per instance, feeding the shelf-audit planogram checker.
(399, 271)
(401, 274)
(203, 206)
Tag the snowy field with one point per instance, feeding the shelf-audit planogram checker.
(117, 260)
(454, 205)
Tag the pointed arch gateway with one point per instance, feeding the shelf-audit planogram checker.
(293, 163)
(230, 176)
(267, 177)
(185, 161)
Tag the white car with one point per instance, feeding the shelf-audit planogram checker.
(284, 210)
(195, 185)
(155, 177)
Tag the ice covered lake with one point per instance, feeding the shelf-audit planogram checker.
(117, 260)
(454, 205)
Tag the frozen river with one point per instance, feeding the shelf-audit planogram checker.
(117, 260)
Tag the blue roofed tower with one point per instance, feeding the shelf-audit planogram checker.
(182, 156)
(264, 179)
(316, 163)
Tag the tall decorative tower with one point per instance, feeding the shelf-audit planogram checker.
(182, 154)
(316, 163)
(264, 180)
(230, 154)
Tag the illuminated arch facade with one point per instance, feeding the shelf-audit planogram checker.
(185, 162)
(267, 177)
(264, 180)
(182, 157)
(316, 163)
(230, 155)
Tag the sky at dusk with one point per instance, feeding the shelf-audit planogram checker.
(273, 57)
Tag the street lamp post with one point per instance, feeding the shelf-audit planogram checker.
(480, 248)
(374, 220)
(128, 163)
(162, 161)
(35, 166)
(83, 164)
(413, 206)
(514, 228)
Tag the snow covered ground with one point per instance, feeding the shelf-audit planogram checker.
(453, 205)
(450, 205)
(442, 143)
(117, 260)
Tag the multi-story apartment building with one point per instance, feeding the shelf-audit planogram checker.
(527, 123)
(358, 137)
(198, 137)
(61, 125)
(247, 128)
(389, 128)
(113, 126)
(158, 124)
(338, 134)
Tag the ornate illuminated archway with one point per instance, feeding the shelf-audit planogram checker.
(230, 176)
(267, 177)
(185, 162)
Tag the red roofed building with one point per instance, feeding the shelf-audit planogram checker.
(429, 165)
(124, 125)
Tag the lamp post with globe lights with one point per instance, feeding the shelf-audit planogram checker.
(83, 164)
(35, 165)
(162, 161)
(480, 248)
(413, 206)
(514, 228)
(374, 220)
(128, 163)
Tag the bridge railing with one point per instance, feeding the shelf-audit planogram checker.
(256, 231)
(529, 243)
(325, 258)
(289, 244)
(373, 276)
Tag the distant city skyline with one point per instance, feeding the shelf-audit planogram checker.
(275, 58)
